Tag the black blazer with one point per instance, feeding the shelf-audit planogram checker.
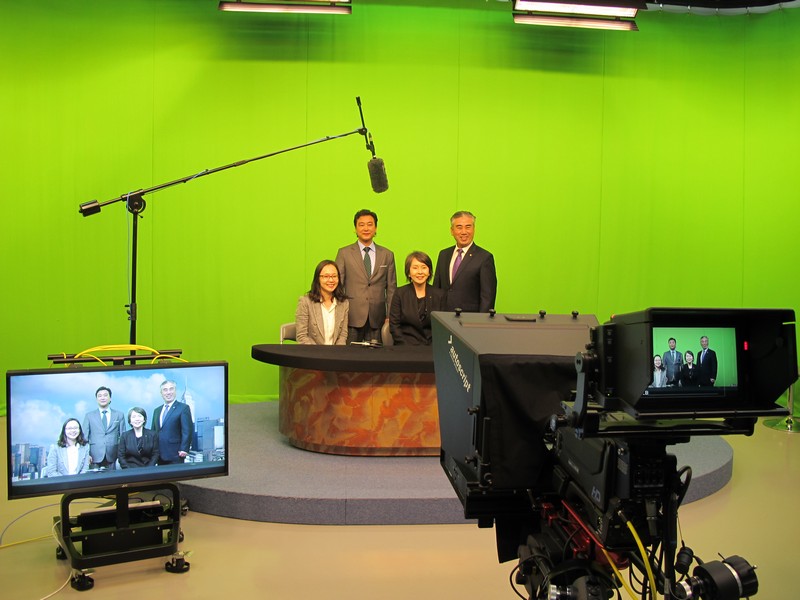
(708, 366)
(404, 321)
(690, 377)
(129, 455)
(474, 288)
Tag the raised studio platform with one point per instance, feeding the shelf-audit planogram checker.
(273, 481)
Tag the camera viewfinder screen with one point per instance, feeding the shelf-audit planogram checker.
(686, 358)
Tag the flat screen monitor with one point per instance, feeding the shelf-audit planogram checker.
(60, 442)
(726, 362)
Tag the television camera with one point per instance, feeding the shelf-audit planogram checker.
(555, 434)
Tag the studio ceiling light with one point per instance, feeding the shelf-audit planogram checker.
(579, 22)
(328, 7)
(595, 9)
(586, 14)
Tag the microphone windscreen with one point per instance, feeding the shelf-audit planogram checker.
(377, 175)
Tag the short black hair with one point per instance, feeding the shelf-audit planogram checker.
(102, 387)
(365, 212)
(137, 409)
(421, 257)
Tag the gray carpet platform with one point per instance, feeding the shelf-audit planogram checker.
(270, 480)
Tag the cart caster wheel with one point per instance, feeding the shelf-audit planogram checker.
(82, 582)
(178, 564)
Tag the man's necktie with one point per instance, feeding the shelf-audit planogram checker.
(164, 414)
(105, 419)
(457, 263)
(367, 262)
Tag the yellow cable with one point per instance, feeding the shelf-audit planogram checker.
(158, 356)
(116, 347)
(97, 358)
(624, 583)
(43, 537)
(645, 559)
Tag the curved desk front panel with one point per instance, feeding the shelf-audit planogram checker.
(356, 400)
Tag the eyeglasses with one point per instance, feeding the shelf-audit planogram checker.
(329, 277)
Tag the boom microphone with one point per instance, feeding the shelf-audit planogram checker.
(377, 175)
(377, 170)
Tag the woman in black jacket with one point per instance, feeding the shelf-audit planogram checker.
(690, 375)
(412, 304)
(138, 446)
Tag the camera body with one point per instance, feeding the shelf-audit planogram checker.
(554, 430)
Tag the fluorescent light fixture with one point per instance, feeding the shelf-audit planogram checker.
(308, 7)
(580, 22)
(628, 10)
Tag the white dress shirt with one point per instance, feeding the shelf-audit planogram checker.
(329, 322)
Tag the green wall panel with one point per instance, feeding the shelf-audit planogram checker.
(609, 171)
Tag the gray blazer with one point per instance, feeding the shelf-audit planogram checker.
(673, 368)
(309, 324)
(369, 299)
(57, 461)
(103, 441)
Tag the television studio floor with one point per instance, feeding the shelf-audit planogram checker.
(755, 516)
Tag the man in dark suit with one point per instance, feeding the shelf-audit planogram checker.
(103, 427)
(367, 272)
(466, 271)
(672, 360)
(172, 423)
(706, 363)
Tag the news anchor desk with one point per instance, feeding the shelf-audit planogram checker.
(356, 400)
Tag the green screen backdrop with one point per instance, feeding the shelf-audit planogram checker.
(609, 171)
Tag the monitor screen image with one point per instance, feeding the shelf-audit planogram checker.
(61, 442)
(728, 363)
(679, 350)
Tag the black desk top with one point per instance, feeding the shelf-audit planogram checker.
(363, 359)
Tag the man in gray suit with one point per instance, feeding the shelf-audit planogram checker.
(672, 360)
(368, 274)
(103, 427)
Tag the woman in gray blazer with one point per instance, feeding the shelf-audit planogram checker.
(321, 316)
(70, 455)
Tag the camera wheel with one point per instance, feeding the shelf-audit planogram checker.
(178, 563)
(81, 582)
(180, 536)
(60, 554)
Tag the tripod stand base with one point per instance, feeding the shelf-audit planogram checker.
(789, 424)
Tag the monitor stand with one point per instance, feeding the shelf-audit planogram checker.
(121, 531)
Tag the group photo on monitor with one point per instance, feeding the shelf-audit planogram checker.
(693, 357)
(73, 428)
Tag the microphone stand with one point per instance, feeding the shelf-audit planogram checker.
(134, 202)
